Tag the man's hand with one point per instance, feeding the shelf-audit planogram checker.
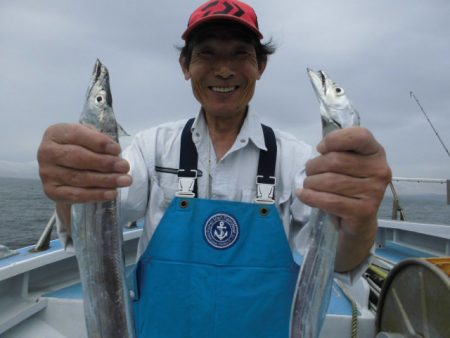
(78, 164)
(348, 179)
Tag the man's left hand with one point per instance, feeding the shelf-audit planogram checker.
(348, 179)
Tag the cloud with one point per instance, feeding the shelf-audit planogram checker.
(378, 51)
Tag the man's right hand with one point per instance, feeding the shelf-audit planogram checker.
(78, 164)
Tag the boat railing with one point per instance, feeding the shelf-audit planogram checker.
(44, 240)
(397, 210)
(426, 180)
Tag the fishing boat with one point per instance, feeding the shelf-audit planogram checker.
(404, 293)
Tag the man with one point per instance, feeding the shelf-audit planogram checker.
(215, 254)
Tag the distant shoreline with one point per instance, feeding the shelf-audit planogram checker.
(25, 210)
(25, 170)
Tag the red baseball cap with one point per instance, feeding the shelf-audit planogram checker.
(232, 10)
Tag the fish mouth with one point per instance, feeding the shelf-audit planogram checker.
(318, 81)
(317, 78)
(99, 88)
(323, 77)
(97, 69)
(321, 83)
(100, 72)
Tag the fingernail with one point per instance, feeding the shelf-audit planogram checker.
(321, 147)
(113, 148)
(110, 194)
(121, 166)
(124, 181)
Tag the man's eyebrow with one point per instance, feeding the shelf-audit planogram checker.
(244, 45)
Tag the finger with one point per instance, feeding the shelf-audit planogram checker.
(346, 163)
(71, 186)
(349, 209)
(84, 136)
(81, 158)
(338, 184)
(66, 194)
(371, 189)
(86, 179)
(77, 157)
(355, 139)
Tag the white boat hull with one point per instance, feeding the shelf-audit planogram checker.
(40, 295)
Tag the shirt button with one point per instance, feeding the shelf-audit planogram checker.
(243, 140)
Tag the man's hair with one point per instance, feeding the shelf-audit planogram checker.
(263, 50)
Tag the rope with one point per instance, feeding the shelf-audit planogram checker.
(354, 327)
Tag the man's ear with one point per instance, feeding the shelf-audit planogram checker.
(261, 67)
(184, 69)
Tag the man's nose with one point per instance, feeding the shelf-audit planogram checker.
(224, 69)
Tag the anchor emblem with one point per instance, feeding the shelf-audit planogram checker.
(222, 233)
(221, 230)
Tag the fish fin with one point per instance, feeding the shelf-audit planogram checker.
(121, 131)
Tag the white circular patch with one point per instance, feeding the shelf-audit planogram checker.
(221, 231)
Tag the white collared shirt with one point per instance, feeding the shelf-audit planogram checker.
(233, 177)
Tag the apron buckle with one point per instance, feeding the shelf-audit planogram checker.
(264, 189)
(186, 182)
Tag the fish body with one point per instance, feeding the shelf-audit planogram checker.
(315, 280)
(97, 236)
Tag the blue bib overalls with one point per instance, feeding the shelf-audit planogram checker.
(216, 268)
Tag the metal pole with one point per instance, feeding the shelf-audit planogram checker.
(44, 241)
(429, 121)
(396, 207)
(419, 180)
(448, 192)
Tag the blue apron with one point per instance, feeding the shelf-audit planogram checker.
(216, 269)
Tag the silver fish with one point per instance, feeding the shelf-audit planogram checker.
(97, 236)
(315, 280)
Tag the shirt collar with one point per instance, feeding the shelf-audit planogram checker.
(251, 129)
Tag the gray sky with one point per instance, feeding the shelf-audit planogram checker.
(377, 50)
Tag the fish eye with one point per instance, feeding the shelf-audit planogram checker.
(100, 98)
(339, 91)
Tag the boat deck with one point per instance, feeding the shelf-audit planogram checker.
(338, 316)
(339, 303)
(58, 308)
(395, 253)
(40, 292)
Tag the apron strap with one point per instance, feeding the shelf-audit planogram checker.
(265, 179)
(187, 174)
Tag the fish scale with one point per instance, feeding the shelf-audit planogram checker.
(98, 237)
(315, 279)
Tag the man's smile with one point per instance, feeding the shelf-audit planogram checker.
(221, 89)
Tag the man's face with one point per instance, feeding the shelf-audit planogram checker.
(223, 73)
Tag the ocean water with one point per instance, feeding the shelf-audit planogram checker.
(25, 210)
(423, 208)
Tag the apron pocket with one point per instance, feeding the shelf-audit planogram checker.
(176, 300)
(256, 302)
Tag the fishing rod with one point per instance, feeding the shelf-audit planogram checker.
(431, 124)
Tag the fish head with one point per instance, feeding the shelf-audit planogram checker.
(99, 92)
(98, 110)
(335, 108)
